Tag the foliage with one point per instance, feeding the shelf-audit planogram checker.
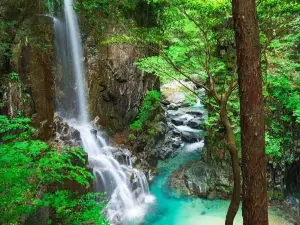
(190, 99)
(5, 37)
(28, 167)
(189, 29)
(75, 209)
(14, 76)
(151, 101)
(99, 14)
(131, 137)
(280, 35)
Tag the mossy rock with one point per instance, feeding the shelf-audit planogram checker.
(276, 195)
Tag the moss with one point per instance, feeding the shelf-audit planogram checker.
(275, 195)
(224, 189)
(150, 103)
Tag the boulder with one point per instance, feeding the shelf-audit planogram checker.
(173, 106)
(190, 137)
(198, 179)
(76, 135)
(174, 113)
(165, 102)
(176, 143)
(176, 132)
(165, 153)
(177, 121)
(195, 113)
(207, 181)
(123, 156)
(194, 123)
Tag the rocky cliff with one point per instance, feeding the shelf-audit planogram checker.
(115, 86)
(26, 72)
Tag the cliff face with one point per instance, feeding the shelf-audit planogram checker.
(26, 70)
(116, 86)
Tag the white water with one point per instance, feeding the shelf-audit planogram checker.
(125, 186)
(73, 35)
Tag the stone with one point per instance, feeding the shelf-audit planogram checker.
(176, 143)
(161, 129)
(121, 77)
(93, 131)
(173, 106)
(116, 86)
(96, 122)
(194, 123)
(174, 113)
(212, 195)
(165, 153)
(104, 136)
(165, 102)
(122, 155)
(195, 113)
(76, 135)
(190, 137)
(177, 121)
(204, 180)
(176, 132)
(197, 179)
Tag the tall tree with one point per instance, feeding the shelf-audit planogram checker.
(255, 208)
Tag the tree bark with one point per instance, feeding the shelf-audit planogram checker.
(232, 148)
(255, 205)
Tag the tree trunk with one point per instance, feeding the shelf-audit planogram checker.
(231, 146)
(255, 205)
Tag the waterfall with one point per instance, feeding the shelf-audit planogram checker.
(74, 39)
(125, 186)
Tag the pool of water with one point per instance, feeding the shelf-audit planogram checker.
(171, 210)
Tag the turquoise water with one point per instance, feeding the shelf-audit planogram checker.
(171, 210)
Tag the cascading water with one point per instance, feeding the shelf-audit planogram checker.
(126, 187)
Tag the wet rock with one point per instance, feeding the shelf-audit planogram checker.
(176, 143)
(121, 77)
(116, 81)
(176, 132)
(197, 179)
(104, 136)
(195, 113)
(97, 124)
(177, 121)
(76, 135)
(165, 102)
(190, 137)
(212, 195)
(123, 156)
(165, 153)
(194, 123)
(161, 129)
(173, 106)
(93, 131)
(174, 113)
(208, 182)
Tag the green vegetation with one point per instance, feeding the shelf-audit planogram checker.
(151, 101)
(29, 169)
(195, 38)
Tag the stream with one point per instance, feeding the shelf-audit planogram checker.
(171, 209)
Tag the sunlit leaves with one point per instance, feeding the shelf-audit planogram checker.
(151, 101)
(28, 167)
